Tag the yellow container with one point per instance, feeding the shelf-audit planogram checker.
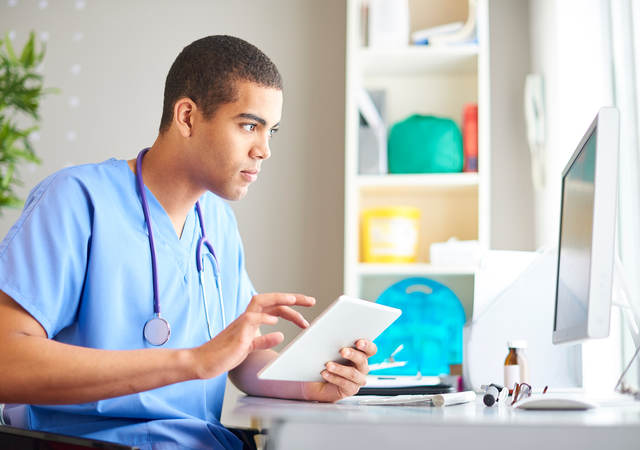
(390, 234)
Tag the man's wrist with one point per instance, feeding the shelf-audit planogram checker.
(191, 364)
(316, 391)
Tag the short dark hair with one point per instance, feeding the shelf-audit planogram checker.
(206, 71)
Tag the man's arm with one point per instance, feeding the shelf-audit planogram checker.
(341, 381)
(38, 370)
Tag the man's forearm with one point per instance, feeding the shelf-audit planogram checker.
(41, 371)
(245, 378)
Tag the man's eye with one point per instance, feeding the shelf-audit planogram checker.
(273, 131)
(249, 126)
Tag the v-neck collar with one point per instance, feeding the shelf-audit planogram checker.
(163, 231)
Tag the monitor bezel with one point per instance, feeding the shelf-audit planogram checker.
(606, 128)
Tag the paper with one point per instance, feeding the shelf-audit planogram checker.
(437, 400)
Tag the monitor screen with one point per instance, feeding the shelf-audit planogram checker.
(576, 233)
(587, 233)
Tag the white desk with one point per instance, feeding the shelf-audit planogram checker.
(309, 426)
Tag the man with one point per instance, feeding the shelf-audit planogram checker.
(105, 327)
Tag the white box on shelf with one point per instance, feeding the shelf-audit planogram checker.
(388, 23)
(455, 253)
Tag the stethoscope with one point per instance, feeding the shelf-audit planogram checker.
(157, 329)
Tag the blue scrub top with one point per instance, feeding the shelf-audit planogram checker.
(78, 261)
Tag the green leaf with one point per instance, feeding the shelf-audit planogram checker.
(27, 58)
(10, 51)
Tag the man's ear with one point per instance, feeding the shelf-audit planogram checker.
(183, 112)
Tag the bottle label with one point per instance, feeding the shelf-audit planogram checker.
(511, 375)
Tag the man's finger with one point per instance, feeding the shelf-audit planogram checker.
(268, 340)
(260, 318)
(358, 358)
(261, 301)
(368, 347)
(347, 372)
(346, 387)
(289, 314)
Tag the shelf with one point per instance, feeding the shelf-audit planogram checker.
(429, 180)
(419, 60)
(368, 269)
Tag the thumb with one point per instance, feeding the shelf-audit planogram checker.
(267, 341)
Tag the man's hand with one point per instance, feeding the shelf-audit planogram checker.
(232, 345)
(343, 380)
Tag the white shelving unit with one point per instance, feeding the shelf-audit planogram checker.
(493, 205)
(416, 79)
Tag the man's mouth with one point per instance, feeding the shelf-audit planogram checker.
(250, 175)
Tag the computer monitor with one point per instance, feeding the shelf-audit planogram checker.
(586, 247)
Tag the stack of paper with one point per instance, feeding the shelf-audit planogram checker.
(455, 398)
(450, 33)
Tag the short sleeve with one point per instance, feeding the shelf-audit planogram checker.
(43, 258)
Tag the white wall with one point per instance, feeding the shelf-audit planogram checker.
(110, 59)
(568, 49)
(509, 168)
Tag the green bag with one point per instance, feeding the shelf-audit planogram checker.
(425, 144)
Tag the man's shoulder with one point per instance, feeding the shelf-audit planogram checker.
(84, 175)
(88, 173)
(74, 183)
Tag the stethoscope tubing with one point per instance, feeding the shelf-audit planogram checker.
(157, 329)
(147, 219)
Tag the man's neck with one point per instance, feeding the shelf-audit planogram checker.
(166, 176)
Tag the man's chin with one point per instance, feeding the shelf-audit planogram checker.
(233, 196)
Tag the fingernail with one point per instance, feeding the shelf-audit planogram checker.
(306, 324)
(346, 352)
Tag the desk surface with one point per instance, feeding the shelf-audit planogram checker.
(459, 426)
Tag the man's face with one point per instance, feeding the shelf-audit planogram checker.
(229, 148)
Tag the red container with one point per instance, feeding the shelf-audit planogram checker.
(470, 137)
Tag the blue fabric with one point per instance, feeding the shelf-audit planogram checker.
(78, 261)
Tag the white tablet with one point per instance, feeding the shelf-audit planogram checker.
(344, 322)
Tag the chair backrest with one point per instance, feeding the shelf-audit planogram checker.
(20, 439)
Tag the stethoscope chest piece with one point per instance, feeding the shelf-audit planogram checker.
(157, 331)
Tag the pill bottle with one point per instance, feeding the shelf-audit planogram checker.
(516, 368)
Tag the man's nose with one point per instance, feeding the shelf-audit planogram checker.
(262, 150)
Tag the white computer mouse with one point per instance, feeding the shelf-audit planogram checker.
(555, 402)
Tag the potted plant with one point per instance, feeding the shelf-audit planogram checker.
(21, 91)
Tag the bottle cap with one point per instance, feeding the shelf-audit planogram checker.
(517, 343)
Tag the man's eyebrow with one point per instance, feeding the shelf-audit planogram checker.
(258, 119)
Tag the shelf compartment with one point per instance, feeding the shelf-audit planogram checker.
(419, 60)
(445, 213)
